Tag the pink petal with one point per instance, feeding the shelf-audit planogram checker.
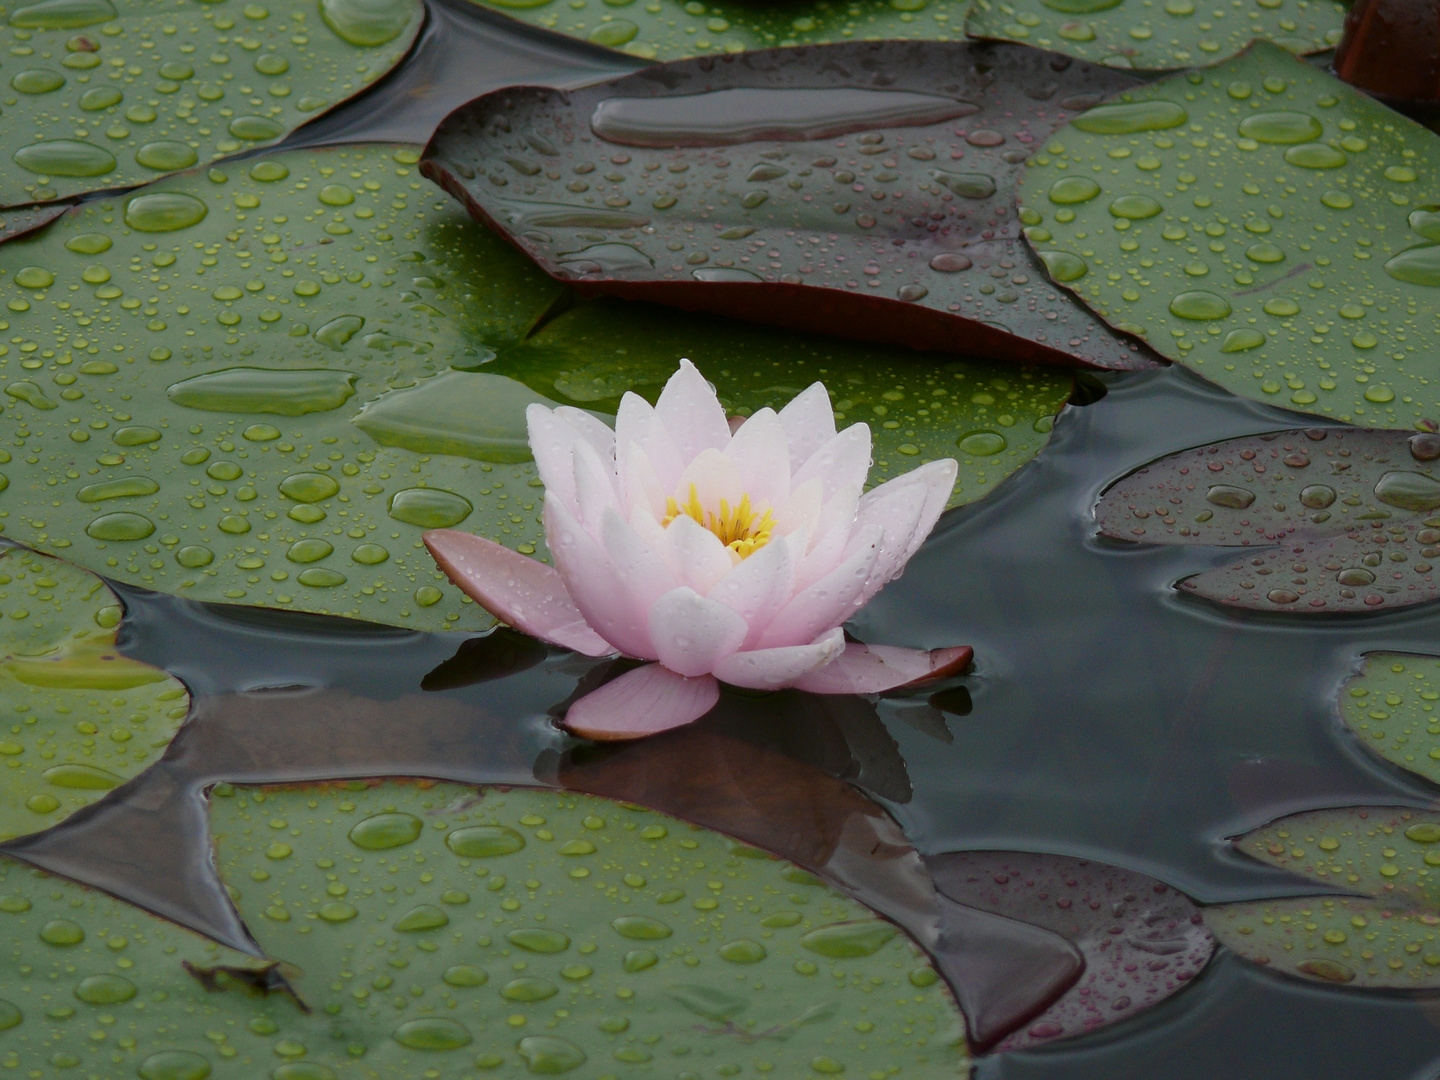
(828, 602)
(830, 538)
(692, 633)
(590, 428)
(520, 591)
(873, 669)
(696, 556)
(645, 701)
(772, 669)
(638, 429)
(594, 486)
(715, 477)
(552, 443)
(590, 578)
(908, 507)
(640, 486)
(843, 461)
(691, 413)
(760, 454)
(809, 423)
(937, 478)
(757, 587)
(801, 510)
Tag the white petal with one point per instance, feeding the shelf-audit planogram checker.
(591, 580)
(645, 701)
(692, 633)
(759, 452)
(809, 423)
(938, 480)
(590, 428)
(771, 669)
(552, 442)
(758, 586)
(828, 602)
(830, 538)
(907, 507)
(594, 486)
(843, 461)
(696, 556)
(641, 570)
(691, 413)
(802, 509)
(640, 485)
(715, 477)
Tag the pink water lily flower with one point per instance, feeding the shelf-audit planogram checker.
(718, 556)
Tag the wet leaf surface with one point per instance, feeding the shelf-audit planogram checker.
(864, 190)
(1387, 936)
(990, 417)
(243, 404)
(676, 29)
(1390, 705)
(1262, 222)
(79, 718)
(1146, 36)
(15, 223)
(1142, 941)
(545, 930)
(1339, 519)
(103, 94)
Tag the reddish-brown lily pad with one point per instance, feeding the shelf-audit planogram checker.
(1337, 519)
(865, 190)
(1142, 941)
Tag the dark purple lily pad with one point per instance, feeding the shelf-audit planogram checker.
(1387, 937)
(1337, 519)
(865, 190)
(1142, 941)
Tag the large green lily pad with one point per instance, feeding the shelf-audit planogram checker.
(991, 417)
(535, 931)
(105, 93)
(1390, 705)
(76, 718)
(183, 407)
(1388, 936)
(1263, 223)
(675, 29)
(1151, 35)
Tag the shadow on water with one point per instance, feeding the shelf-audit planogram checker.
(1107, 718)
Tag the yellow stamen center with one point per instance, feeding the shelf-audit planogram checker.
(742, 530)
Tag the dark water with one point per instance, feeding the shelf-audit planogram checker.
(1107, 716)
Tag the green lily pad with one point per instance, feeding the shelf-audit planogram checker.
(991, 417)
(107, 93)
(189, 409)
(1387, 937)
(1262, 222)
(534, 931)
(78, 718)
(15, 223)
(1390, 705)
(1149, 36)
(676, 29)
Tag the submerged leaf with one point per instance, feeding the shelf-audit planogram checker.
(1142, 941)
(606, 933)
(1148, 37)
(81, 718)
(1390, 706)
(1388, 937)
(1287, 249)
(1337, 519)
(112, 94)
(791, 187)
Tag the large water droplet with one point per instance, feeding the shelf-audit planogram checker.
(641, 928)
(383, 831)
(614, 33)
(308, 487)
(1135, 207)
(465, 975)
(1124, 119)
(1315, 156)
(1073, 189)
(1417, 265)
(467, 414)
(311, 549)
(743, 951)
(119, 488)
(968, 185)
(1240, 340)
(1080, 7)
(174, 1065)
(1282, 127)
(265, 390)
(254, 128)
(338, 331)
(981, 443)
(422, 917)
(537, 940)
(366, 22)
(528, 989)
(549, 1055)
(1236, 498)
(120, 526)
(37, 81)
(166, 156)
(64, 157)
(611, 258)
(63, 14)
(105, 990)
(1199, 305)
(429, 508)
(484, 841)
(1408, 490)
(1063, 265)
(724, 273)
(841, 940)
(1317, 496)
(1426, 222)
(10, 1016)
(82, 777)
(748, 114)
(950, 262)
(61, 932)
(34, 277)
(164, 211)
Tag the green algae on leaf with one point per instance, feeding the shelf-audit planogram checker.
(1147, 36)
(1390, 706)
(1386, 937)
(1333, 519)
(676, 29)
(991, 417)
(187, 370)
(111, 94)
(612, 935)
(784, 187)
(76, 717)
(1272, 269)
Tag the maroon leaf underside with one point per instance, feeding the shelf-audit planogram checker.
(1142, 941)
(882, 233)
(1340, 519)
